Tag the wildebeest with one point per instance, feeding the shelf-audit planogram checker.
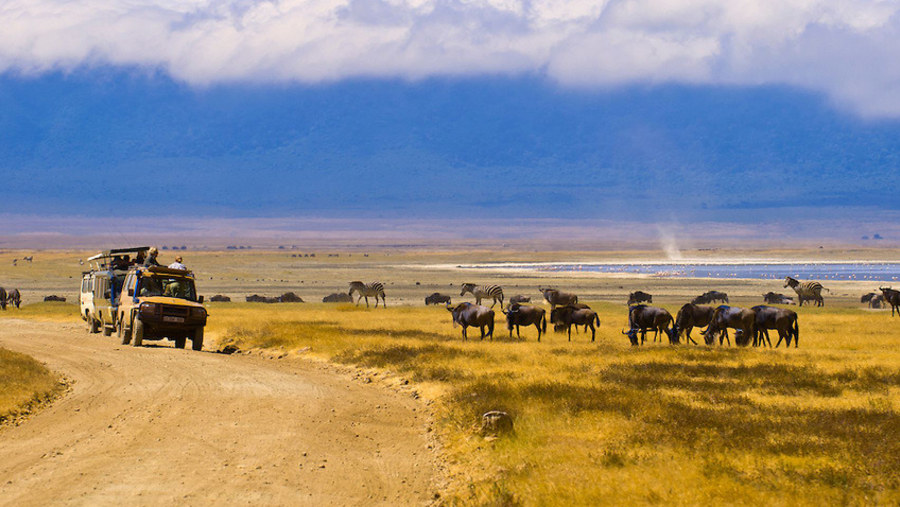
(806, 291)
(54, 297)
(337, 297)
(290, 297)
(774, 298)
(437, 298)
(256, 298)
(2, 298)
(468, 314)
(559, 326)
(564, 317)
(780, 319)
(12, 298)
(642, 318)
(710, 297)
(873, 300)
(494, 292)
(639, 297)
(218, 298)
(690, 316)
(367, 290)
(892, 297)
(725, 317)
(518, 298)
(525, 315)
(558, 298)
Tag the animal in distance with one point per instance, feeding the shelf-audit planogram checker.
(367, 290)
(494, 292)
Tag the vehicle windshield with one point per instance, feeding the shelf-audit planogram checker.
(171, 286)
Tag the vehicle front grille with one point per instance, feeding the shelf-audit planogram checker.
(175, 311)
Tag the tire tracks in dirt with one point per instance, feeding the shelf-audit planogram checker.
(158, 425)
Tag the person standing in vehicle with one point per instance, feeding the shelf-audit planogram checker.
(177, 264)
(151, 258)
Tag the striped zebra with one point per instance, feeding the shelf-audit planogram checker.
(806, 291)
(494, 292)
(374, 289)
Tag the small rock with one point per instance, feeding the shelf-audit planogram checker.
(496, 423)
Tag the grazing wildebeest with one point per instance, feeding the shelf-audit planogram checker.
(337, 297)
(468, 314)
(639, 297)
(559, 326)
(642, 318)
(567, 316)
(256, 298)
(518, 298)
(725, 317)
(780, 319)
(2, 298)
(709, 297)
(437, 298)
(54, 297)
(892, 297)
(558, 298)
(525, 315)
(13, 298)
(806, 291)
(690, 316)
(494, 292)
(218, 298)
(774, 298)
(367, 290)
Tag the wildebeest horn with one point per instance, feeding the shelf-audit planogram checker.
(623, 332)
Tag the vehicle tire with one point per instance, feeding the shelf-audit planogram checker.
(123, 336)
(180, 342)
(94, 325)
(197, 340)
(137, 333)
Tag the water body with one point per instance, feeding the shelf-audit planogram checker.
(875, 271)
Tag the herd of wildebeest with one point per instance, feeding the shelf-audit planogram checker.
(749, 325)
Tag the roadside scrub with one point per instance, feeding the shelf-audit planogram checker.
(25, 384)
(607, 423)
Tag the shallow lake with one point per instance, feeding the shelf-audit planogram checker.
(875, 271)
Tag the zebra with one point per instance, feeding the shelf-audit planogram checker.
(806, 291)
(374, 289)
(494, 292)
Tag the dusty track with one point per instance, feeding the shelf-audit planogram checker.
(157, 425)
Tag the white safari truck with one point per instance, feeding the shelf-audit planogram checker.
(102, 285)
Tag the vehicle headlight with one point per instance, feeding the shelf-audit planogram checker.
(199, 312)
(148, 307)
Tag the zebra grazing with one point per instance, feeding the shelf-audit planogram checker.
(374, 289)
(494, 292)
(806, 291)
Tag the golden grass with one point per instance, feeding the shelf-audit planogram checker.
(25, 383)
(607, 423)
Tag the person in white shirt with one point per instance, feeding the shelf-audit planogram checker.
(177, 264)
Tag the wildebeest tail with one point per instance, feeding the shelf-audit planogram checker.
(796, 331)
(544, 323)
(597, 318)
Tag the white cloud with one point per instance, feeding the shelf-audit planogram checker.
(846, 49)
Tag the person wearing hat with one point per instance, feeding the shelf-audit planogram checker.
(177, 264)
(151, 258)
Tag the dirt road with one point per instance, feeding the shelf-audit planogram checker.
(157, 425)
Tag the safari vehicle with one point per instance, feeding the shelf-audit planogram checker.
(157, 303)
(100, 287)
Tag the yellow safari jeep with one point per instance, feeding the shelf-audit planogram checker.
(157, 303)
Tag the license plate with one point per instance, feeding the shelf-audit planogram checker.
(173, 319)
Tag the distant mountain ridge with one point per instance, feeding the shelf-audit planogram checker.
(102, 141)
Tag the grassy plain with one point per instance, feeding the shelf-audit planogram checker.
(607, 423)
(26, 383)
(596, 423)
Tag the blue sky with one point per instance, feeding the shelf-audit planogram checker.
(637, 109)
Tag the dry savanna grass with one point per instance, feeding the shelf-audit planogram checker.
(607, 423)
(25, 383)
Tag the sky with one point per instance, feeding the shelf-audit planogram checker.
(746, 111)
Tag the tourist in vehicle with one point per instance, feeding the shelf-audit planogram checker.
(151, 258)
(177, 264)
